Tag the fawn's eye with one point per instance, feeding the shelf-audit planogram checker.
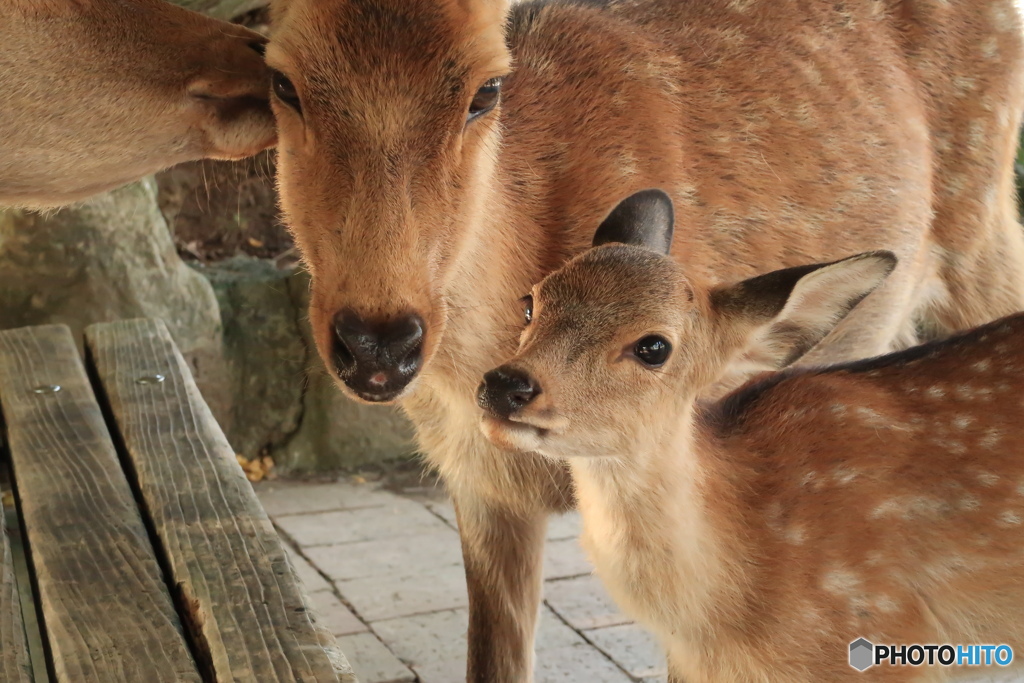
(527, 308)
(485, 99)
(285, 91)
(652, 350)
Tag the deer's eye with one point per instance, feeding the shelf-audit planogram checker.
(485, 99)
(527, 308)
(652, 350)
(285, 91)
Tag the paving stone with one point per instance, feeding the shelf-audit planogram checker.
(577, 664)
(311, 579)
(445, 510)
(399, 518)
(632, 648)
(565, 558)
(441, 672)
(385, 597)
(408, 556)
(296, 497)
(335, 615)
(583, 603)
(427, 638)
(441, 636)
(553, 633)
(372, 662)
(564, 526)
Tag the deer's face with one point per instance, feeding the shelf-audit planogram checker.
(388, 121)
(616, 342)
(619, 343)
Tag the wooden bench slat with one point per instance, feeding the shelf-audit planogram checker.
(248, 611)
(15, 666)
(106, 609)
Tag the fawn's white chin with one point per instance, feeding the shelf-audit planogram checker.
(511, 435)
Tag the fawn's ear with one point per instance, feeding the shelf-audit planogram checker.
(643, 219)
(782, 315)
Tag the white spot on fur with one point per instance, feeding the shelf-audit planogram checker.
(976, 134)
(990, 439)
(963, 85)
(982, 365)
(990, 48)
(870, 415)
(954, 447)
(795, 534)
(873, 558)
(962, 421)
(988, 479)
(842, 475)
(886, 605)
(1009, 518)
(968, 502)
(885, 508)
(926, 507)
(838, 409)
(936, 392)
(840, 582)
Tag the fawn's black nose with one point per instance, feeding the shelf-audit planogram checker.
(506, 390)
(377, 358)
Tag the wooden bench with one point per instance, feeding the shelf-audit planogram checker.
(147, 557)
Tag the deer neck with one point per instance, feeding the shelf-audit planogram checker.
(506, 250)
(650, 527)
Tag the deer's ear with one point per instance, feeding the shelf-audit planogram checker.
(784, 314)
(643, 219)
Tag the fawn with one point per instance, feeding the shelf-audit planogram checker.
(98, 93)
(437, 157)
(760, 535)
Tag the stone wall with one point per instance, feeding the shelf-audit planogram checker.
(107, 259)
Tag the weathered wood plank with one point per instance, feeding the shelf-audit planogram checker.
(248, 613)
(14, 658)
(106, 609)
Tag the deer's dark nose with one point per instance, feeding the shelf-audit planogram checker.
(506, 390)
(377, 358)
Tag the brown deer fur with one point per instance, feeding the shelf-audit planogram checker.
(786, 132)
(98, 93)
(759, 536)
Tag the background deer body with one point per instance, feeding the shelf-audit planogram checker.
(97, 93)
(786, 132)
(759, 536)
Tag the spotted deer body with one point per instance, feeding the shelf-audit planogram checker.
(425, 202)
(98, 93)
(760, 535)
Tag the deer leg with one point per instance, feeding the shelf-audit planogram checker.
(503, 552)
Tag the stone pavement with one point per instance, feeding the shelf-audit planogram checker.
(384, 571)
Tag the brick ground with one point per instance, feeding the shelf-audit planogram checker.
(385, 573)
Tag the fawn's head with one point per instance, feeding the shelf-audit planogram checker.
(99, 93)
(620, 340)
(388, 120)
